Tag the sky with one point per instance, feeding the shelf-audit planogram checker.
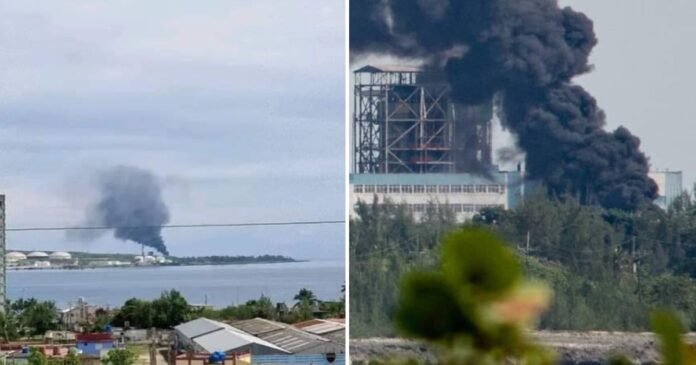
(237, 106)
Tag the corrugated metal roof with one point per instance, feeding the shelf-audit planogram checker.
(222, 341)
(260, 334)
(307, 323)
(286, 336)
(324, 327)
(230, 340)
(389, 68)
(293, 339)
(257, 326)
(338, 337)
(198, 327)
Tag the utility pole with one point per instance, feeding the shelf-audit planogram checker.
(153, 348)
(633, 255)
(3, 260)
(526, 249)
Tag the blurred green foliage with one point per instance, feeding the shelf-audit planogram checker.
(476, 306)
(120, 357)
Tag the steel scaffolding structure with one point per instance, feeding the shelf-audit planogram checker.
(404, 125)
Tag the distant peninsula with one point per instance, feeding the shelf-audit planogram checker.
(230, 260)
(29, 260)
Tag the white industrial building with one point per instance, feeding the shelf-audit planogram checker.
(669, 186)
(464, 194)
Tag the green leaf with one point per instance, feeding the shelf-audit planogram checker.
(429, 309)
(477, 259)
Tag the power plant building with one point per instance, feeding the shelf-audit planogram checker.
(669, 187)
(413, 145)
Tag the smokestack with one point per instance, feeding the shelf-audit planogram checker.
(524, 55)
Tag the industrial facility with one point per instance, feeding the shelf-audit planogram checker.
(39, 260)
(669, 186)
(412, 144)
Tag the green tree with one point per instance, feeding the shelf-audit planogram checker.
(265, 308)
(72, 358)
(28, 317)
(303, 311)
(120, 357)
(306, 295)
(10, 326)
(102, 318)
(171, 309)
(41, 317)
(136, 312)
(36, 357)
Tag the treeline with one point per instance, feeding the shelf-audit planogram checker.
(307, 306)
(608, 268)
(172, 309)
(386, 242)
(26, 318)
(223, 260)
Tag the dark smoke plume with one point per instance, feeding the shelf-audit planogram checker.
(522, 54)
(130, 202)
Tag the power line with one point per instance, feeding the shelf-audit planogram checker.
(201, 225)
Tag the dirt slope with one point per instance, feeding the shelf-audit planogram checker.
(574, 348)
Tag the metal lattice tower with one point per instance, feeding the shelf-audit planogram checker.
(404, 125)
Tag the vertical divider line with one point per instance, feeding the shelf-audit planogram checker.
(347, 208)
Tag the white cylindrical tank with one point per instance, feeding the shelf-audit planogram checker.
(37, 255)
(59, 255)
(16, 256)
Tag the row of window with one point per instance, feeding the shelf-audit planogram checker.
(457, 208)
(428, 189)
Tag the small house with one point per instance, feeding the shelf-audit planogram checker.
(94, 343)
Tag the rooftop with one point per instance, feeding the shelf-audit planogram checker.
(320, 326)
(262, 334)
(388, 68)
(257, 326)
(432, 179)
(199, 327)
(229, 339)
(297, 340)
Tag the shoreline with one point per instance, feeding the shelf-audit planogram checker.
(35, 268)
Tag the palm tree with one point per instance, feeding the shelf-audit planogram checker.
(306, 295)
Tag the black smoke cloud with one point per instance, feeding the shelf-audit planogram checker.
(130, 202)
(524, 54)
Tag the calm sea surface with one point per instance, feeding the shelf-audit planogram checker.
(221, 285)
